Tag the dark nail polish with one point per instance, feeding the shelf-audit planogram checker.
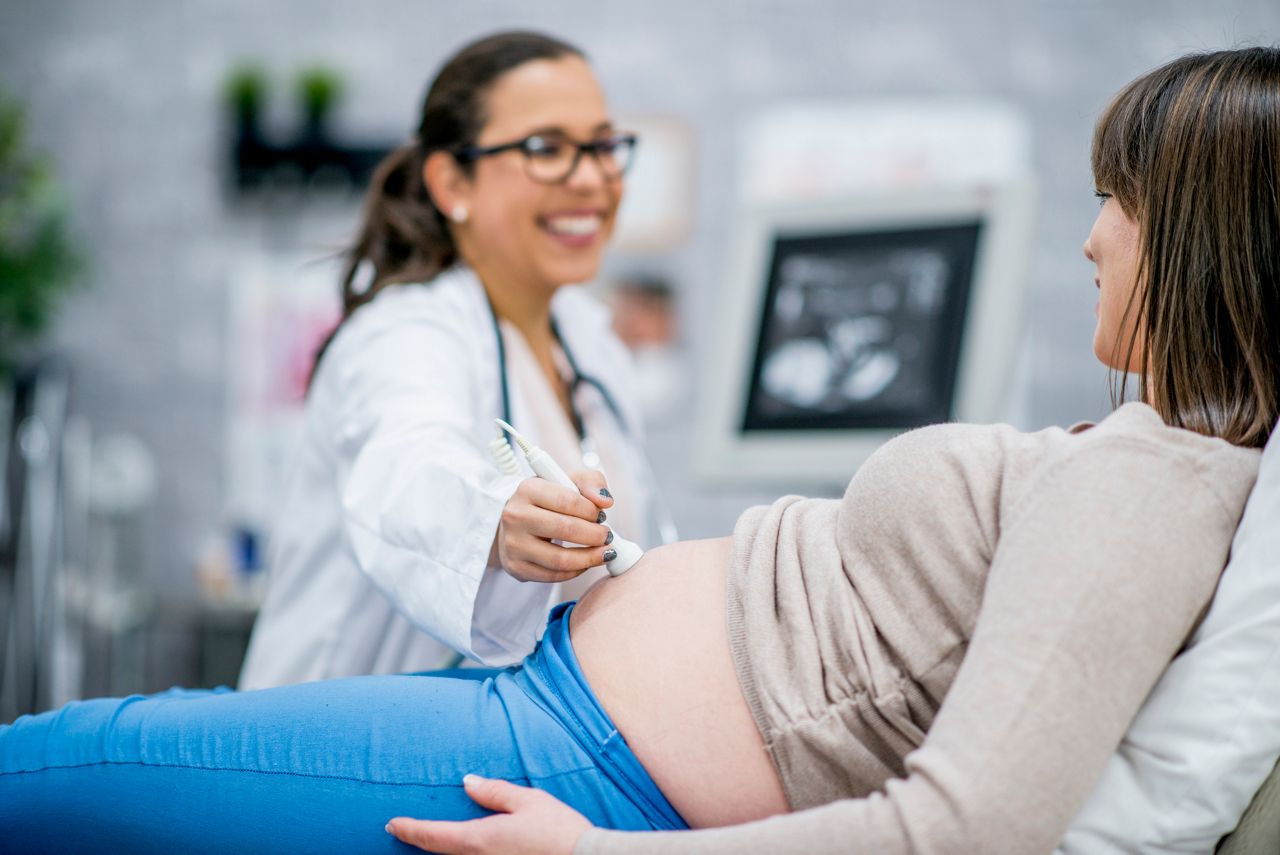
(600, 518)
(608, 538)
(609, 555)
(604, 491)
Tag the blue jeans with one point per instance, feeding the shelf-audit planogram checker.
(318, 767)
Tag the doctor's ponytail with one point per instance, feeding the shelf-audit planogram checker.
(403, 237)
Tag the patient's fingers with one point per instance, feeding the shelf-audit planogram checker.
(527, 822)
(498, 795)
(447, 838)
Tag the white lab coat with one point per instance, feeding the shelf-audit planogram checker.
(378, 561)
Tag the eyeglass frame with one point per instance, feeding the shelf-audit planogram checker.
(472, 153)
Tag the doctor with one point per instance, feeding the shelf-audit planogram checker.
(401, 544)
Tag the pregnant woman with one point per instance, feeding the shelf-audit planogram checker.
(940, 661)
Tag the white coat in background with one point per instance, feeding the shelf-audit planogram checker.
(378, 560)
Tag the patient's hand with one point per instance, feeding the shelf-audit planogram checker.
(528, 822)
(540, 511)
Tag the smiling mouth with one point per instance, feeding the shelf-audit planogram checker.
(574, 225)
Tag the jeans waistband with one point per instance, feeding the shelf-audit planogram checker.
(552, 678)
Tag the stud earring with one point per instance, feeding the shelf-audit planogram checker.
(458, 214)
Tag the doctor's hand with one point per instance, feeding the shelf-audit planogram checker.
(539, 512)
(526, 822)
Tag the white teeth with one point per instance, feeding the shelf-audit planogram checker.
(576, 226)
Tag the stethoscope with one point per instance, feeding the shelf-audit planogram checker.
(666, 528)
(590, 457)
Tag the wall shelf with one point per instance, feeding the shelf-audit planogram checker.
(312, 160)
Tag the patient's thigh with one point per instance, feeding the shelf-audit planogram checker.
(315, 767)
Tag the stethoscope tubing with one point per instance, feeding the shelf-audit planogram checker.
(579, 378)
(665, 522)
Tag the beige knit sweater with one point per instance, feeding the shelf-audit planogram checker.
(1039, 583)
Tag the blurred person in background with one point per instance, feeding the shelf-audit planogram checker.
(401, 545)
(644, 317)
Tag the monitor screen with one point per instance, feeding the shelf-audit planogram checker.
(845, 322)
(861, 329)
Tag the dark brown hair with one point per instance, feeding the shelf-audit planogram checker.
(1191, 151)
(403, 237)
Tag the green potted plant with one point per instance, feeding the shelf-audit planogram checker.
(246, 95)
(319, 91)
(39, 260)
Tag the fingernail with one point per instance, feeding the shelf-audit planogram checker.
(608, 538)
(389, 829)
(604, 491)
(468, 780)
(609, 555)
(600, 518)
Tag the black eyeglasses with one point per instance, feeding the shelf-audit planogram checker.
(550, 158)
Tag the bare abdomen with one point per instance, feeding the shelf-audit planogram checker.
(654, 646)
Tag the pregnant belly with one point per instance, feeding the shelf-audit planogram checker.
(654, 647)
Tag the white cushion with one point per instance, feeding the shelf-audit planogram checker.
(1209, 734)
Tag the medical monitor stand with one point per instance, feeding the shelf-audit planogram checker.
(847, 322)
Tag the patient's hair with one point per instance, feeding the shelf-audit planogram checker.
(1191, 151)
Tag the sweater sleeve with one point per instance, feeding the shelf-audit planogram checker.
(1097, 579)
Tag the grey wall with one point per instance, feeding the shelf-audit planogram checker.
(125, 97)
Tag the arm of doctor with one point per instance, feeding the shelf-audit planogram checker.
(422, 498)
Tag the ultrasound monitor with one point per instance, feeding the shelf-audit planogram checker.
(848, 322)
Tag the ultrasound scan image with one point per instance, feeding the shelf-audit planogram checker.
(862, 330)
